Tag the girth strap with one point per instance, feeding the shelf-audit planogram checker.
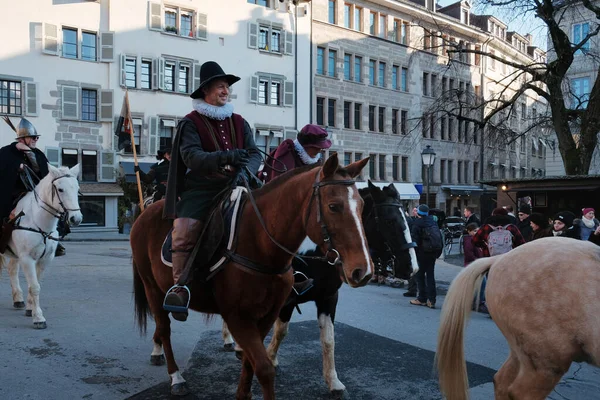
(253, 266)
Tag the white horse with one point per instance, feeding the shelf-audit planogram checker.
(34, 240)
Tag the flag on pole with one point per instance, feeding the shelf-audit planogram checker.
(124, 130)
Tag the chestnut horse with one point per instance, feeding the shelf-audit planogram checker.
(545, 331)
(321, 203)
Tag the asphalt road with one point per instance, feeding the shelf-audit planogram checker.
(92, 350)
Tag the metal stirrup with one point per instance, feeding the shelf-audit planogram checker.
(179, 309)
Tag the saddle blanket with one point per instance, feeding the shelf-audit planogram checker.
(230, 212)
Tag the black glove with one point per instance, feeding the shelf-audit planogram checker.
(238, 157)
(136, 168)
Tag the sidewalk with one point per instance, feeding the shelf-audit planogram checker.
(95, 237)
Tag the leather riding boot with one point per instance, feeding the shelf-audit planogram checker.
(185, 235)
(60, 250)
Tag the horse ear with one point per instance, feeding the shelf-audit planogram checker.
(75, 170)
(355, 168)
(53, 170)
(392, 188)
(372, 187)
(330, 166)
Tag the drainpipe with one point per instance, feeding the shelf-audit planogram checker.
(296, 68)
(310, 74)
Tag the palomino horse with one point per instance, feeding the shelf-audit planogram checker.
(389, 240)
(546, 331)
(321, 203)
(35, 237)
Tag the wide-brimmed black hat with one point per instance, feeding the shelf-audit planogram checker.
(210, 71)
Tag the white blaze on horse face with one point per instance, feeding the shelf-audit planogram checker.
(306, 246)
(353, 195)
(413, 255)
(328, 347)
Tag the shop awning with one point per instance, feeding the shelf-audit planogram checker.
(407, 190)
(463, 190)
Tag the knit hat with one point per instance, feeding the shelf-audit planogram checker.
(499, 211)
(539, 220)
(566, 217)
(525, 209)
(587, 210)
(423, 209)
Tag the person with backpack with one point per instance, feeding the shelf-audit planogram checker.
(426, 234)
(498, 236)
(290, 154)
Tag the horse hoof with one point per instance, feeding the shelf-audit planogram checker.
(157, 360)
(239, 354)
(19, 304)
(228, 346)
(28, 313)
(180, 389)
(337, 394)
(39, 325)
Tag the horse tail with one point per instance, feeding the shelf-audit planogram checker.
(450, 355)
(142, 308)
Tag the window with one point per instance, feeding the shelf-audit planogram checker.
(450, 128)
(372, 72)
(460, 172)
(395, 171)
(395, 120)
(331, 112)
(580, 92)
(347, 113)
(69, 43)
(357, 69)
(425, 84)
(165, 133)
(580, 31)
(331, 14)
(395, 77)
(381, 119)
(10, 97)
(145, 74)
(169, 77)
(394, 34)
(433, 86)
(425, 125)
(171, 20)
(450, 171)
(347, 15)
(347, 158)
(269, 91)
(184, 77)
(357, 18)
(69, 157)
(320, 111)
(382, 25)
(442, 171)
(404, 122)
(372, 118)
(93, 209)
(264, 3)
(88, 46)
(89, 105)
(381, 167)
(475, 171)
(186, 23)
(372, 158)
(404, 80)
(405, 169)
(443, 127)
(275, 40)
(466, 172)
(357, 116)
(89, 166)
(178, 21)
(347, 65)
(269, 39)
(320, 61)
(331, 64)
(381, 75)
(267, 140)
(372, 19)
(404, 33)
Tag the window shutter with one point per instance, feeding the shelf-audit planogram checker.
(254, 89)
(196, 79)
(288, 95)
(70, 102)
(289, 43)
(153, 135)
(106, 105)
(252, 35)
(53, 155)
(50, 39)
(31, 90)
(107, 166)
(155, 13)
(161, 73)
(107, 46)
(122, 59)
(202, 27)
(154, 84)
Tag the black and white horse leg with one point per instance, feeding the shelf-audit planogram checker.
(280, 331)
(326, 315)
(15, 284)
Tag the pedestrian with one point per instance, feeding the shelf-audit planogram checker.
(158, 174)
(499, 221)
(539, 226)
(470, 251)
(428, 238)
(563, 225)
(595, 237)
(511, 214)
(469, 213)
(524, 221)
(587, 224)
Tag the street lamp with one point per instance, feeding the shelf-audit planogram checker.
(428, 156)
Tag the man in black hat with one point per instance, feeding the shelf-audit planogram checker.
(211, 148)
(525, 222)
(158, 174)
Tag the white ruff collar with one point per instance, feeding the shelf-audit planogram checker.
(214, 112)
(306, 159)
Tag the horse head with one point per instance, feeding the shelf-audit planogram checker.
(338, 225)
(62, 192)
(387, 229)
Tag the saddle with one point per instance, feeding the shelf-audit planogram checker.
(217, 237)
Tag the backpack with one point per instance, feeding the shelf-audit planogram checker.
(500, 240)
(431, 240)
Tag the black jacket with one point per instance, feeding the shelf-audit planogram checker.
(415, 232)
(10, 160)
(526, 229)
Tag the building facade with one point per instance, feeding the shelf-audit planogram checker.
(383, 73)
(68, 64)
